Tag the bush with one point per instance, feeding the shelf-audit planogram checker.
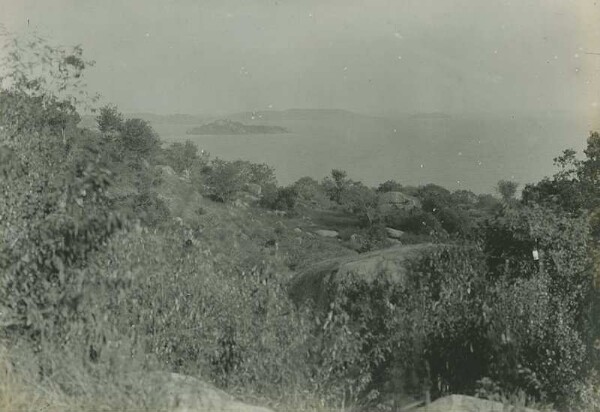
(307, 187)
(361, 201)
(418, 222)
(56, 214)
(182, 156)
(138, 137)
(225, 180)
(389, 186)
(233, 328)
(279, 198)
(110, 120)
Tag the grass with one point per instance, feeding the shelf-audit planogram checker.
(20, 390)
(69, 388)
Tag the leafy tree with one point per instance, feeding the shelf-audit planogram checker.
(138, 137)
(225, 180)
(182, 156)
(464, 198)
(390, 186)
(260, 173)
(564, 278)
(507, 189)
(110, 120)
(32, 67)
(420, 222)
(336, 184)
(55, 212)
(361, 201)
(279, 198)
(307, 187)
(434, 197)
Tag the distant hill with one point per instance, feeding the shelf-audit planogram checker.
(228, 127)
(293, 115)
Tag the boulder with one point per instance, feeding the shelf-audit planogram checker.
(390, 264)
(187, 394)
(327, 233)
(397, 200)
(394, 233)
(297, 230)
(462, 403)
(239, 204)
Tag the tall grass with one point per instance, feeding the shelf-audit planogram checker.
(71, 386)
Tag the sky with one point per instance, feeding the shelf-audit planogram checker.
(370, 56)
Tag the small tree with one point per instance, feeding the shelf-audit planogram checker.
(261, 174)
(389, 186)
(336, 184)
(307, 187)
(225, 180)
(361, 201)
(280, 198)
(182, 156)
(507, 189)
(110, 120)
(138, 137)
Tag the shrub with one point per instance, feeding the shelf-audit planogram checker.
(282, 198)
(418, 222)
(225, 180)
(138, 137)
(53, 218)
(182, 156)
(389, 186)
(110, 120)
(335, 185)
(360, 200)
(307, 187)
(200, 318)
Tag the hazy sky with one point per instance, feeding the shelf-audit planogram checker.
(198, 56)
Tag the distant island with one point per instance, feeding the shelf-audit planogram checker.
(228, 127)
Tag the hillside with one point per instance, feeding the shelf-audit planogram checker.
(171, 261)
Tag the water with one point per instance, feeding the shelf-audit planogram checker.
(468, 152)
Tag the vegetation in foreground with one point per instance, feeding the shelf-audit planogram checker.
(119, 255)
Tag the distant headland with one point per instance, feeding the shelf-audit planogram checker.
(228, 127)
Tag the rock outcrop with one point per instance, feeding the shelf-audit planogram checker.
(327, 233)
(187, 394)
(391, 263)
(394, 233)
(389, 201)
(462, 403)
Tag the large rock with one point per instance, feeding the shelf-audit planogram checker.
(240, 204)
(187, 394)
(462, 403)
(327, 233)
(397, 200)
(390, 264)
(394, 233)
